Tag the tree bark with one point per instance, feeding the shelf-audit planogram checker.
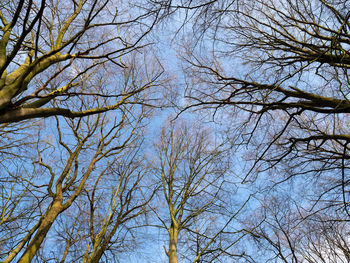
(172, 251)
(39, 237)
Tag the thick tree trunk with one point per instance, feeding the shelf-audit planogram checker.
(39, 237)
(172, 251)
(96, 256)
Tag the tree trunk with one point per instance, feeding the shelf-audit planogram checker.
(172, 251)
(39, 237)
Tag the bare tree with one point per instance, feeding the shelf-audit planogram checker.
(290, 233)
(50, 52)
(296, 77)
(67, 166)
(102, 222)
(58, 188)
(127, 203)
(279, 70)
(190, 169)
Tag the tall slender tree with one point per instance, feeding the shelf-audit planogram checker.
(191, 170)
